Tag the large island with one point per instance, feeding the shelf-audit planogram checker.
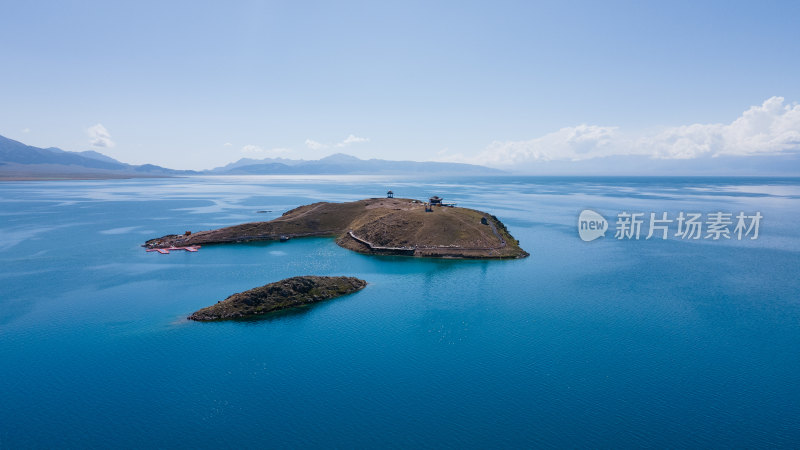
(387, 226)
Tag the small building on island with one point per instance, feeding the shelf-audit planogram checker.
(390, 194)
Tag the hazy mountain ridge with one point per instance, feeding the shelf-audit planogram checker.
(18, 160)
(12, 151)
(26, 161)
(345, 164)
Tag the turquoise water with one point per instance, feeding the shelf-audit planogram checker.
(602, 344)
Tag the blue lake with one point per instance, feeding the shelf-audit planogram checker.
(610, 343)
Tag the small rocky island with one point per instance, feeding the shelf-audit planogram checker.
(288, 293)
(388, 226)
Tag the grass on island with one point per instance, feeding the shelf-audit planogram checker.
(385, 223)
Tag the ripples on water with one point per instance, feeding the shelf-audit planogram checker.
(609, 343)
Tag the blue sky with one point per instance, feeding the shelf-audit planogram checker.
(199, 84)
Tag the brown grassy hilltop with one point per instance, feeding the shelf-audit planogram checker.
(376, 226)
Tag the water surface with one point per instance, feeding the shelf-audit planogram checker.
(602, 344)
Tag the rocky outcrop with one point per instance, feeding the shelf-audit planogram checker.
(288, 293)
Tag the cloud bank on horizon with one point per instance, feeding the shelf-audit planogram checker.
(772, 128)
(256, 150)
(753, 143)
(350, 139)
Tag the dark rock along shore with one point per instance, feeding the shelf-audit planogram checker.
(288, 293)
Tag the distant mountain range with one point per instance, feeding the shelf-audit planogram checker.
(18, 160)
(340, 163)
(21, 161)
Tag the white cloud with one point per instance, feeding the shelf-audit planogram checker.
(351, 139)
(572, 143)
(314, 145)
(250, 148)
(256, 150)
(26, 130)
(769, 128)
(227, 144)
(99, 136)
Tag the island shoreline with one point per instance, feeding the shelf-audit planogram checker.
(376, 226)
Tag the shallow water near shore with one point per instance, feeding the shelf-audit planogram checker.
(609, 343)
